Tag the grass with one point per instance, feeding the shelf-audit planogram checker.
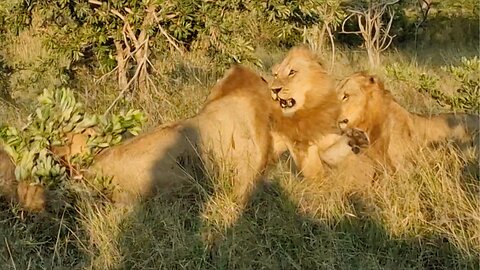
(427, 218)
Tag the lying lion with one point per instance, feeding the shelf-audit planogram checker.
(392, 131)
(309, 112)
(30, 197)
(230, 135)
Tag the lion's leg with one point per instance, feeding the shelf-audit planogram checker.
(337, 152)
(352, 142)
(309, 162)
(279, 146)
(31, 197)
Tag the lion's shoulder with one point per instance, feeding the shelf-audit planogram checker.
(238, 80)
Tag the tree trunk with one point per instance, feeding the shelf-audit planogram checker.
(121, 66)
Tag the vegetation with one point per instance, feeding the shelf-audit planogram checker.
(100, 69)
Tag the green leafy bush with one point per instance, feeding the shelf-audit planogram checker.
(467, 74)
(57, 115)
(465, 98)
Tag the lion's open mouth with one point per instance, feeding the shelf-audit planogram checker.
(287, 103)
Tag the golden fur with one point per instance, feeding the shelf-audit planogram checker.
(307, 122)
(30, 197)
(394, 132)
(7, 176)
(230, 135)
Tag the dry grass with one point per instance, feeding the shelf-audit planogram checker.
(427, 218)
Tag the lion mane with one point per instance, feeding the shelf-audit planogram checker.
(233, 128)
(394, 132)
(307, 112)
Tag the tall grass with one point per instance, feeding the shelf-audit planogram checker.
(425, 218)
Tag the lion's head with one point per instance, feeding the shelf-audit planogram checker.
(299, 81)
(364, 101)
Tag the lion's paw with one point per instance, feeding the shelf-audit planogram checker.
(358, 139)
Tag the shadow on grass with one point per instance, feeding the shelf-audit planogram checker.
(39, 241)
(272, 234)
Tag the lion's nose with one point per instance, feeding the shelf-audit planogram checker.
(276, 90)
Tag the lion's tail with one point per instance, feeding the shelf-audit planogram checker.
(461, 127)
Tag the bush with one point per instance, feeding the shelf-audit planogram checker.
(465, 98)
(57, 118)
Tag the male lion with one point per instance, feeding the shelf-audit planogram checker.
(393, 132)
(309, 112)
(230, 135)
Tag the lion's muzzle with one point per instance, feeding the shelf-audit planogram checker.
(275, 92)
(287, 103)
(343, 124)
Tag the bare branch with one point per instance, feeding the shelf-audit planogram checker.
(122, 93)
(131, 35)
(118, 14)
(167, 36)
(343, 25)
(387, 30)
(374, 32)
(95, 2)
(332, 43)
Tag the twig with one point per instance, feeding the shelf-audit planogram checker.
(129, 55)
(330, 35)
(343, 24)
(137, 71)
(98, 3)
(10, 253)
(55, 251)
(167, 36)
(106, 75)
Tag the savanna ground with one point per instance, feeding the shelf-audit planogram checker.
(428, 218)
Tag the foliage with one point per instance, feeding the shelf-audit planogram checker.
(468, 76)
(224, 28)
(466, 97)
(4, 74)
(57, 115)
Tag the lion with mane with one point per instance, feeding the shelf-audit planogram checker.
(230, 135)
(309, 109)
(392, 131)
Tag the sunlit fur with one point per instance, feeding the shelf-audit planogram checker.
(393, 131)
(309, 128)
(230, 135)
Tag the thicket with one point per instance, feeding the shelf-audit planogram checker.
(124, 36)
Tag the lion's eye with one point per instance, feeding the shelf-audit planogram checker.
(292, 72)
(345, 97)
(275, 75)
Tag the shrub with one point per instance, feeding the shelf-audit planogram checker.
(57, 117)
(465, 98)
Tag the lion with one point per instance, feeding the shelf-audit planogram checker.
(393, 132)
(31, 197)
(309, 109)
(231, 135)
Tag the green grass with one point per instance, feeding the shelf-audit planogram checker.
(428, 218)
